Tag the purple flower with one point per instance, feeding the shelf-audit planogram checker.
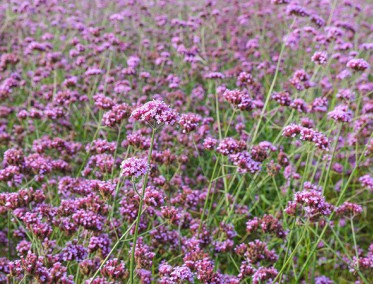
(245, 162)
(230, 145)
(357, 64)
(341, 113)
(114, 269)
(367, 181)
(320, 57)
(312, 202)
(264, 273)
(348, 209)
(189, 122)
(134, 167)
(307, 134)
(155, 113)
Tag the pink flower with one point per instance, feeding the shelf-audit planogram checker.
(358, 64)
(155, 113)
(134, 167)
(320, 57)
(341, 113)
(189, 122)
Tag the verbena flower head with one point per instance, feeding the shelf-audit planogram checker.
(280, 2)
(245, 162)
(239, 99)
(283, 98)
(320, 57)
(155, 113)
(264, 273)
(341, 113)
(367, 181)
(358, 64)
(189, 121)
(312, 202)
(307, 134)
(349, 209)
(230, 145)
(134, 167)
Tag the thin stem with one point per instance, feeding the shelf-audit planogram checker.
(332, 214)
(111, 251)
(270, 90)
(207, 196)
(355, 244)
(331, 159)
(132, 263)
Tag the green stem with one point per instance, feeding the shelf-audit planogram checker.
(270, 90)
(331, 159)
(132, 263)
(208, 194)
(111, 251)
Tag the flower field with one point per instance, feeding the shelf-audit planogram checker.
(186, 141)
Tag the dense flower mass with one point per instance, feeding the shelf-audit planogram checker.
(175, 142)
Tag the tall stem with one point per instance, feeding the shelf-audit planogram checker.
(331, 159)
(132, 263)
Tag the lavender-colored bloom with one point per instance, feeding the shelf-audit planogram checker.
(244, 79)
(214, 75)
(323, 280)
(297, 10)
(239, 99)
(134, 167)
(363, 263)
(230, 145)
(73, 251)
(93, 72)
(189, 122)
(367, 181)
(312, 202)
(264, 273)
(114, 269)
(307, 134)
(348, 209)
(341, 113)
(116, 115)
(283, 98)
(346, 94)
(209, 143)
(245, 162)
(357, 64)
(320, 105)
(181, 274)
(279, 2)
(320, 57)
(155, 112)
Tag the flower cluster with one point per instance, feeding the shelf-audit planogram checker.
(358, 64)
(341, 113)
(155, 113)
(320, 57)
(312, 202)
(239, 99)
(307, 134)
(134, 167)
